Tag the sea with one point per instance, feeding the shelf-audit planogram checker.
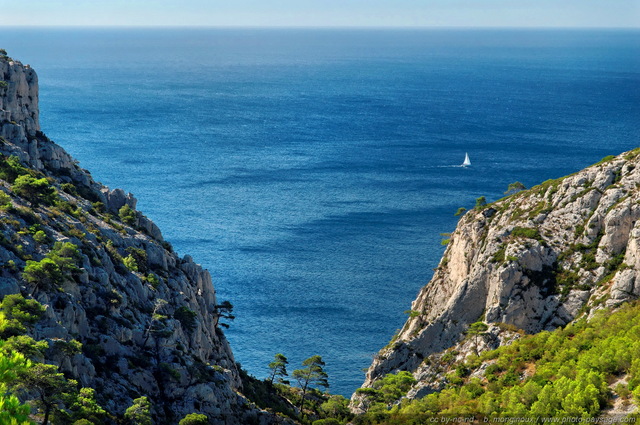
(314, 172)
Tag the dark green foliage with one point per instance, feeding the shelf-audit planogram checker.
(328, 421)
(11, 168)
(25, 345)
(5, 201)
(50, 271)
(139, 413)
(336, 407)
(514, 188)
(34, 190)
(266, 395)
(460, 211)
(481, 202)
(18, 314)
(194, 419)
(85, 410)
(499, 255)
(42, 274)
(311, 375)
(98, 207)
(40, 237)
(50, 387)
(606, 159)
(278, 369)
(127, 215)
(66, 256)
(186, 317)
(223, 311)
(526, 232)
(69, 188)
(477, 330)
(153, 280)
(140, 257)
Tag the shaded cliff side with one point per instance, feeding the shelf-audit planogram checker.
(533, 261)
(148, 320)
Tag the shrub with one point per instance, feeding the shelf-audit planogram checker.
(194, 419)
(186, 317)
(460, 211)
(5, 201)
(127, 215)
(481, 202)
(10, 168)
(65, 255)
(44, 273)
(140, 255)
(130, 263)
(34, 190)
(40, 237)
(153, 280)
(526, 232)
(17, 313)
(69, 188)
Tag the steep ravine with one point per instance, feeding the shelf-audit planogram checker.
(147, 319)
(534, 260)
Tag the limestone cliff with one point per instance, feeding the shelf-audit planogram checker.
(147, 319)
(535, 260)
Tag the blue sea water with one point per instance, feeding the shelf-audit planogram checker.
(312, 171)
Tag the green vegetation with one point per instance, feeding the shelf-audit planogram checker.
(564, 373)
(17, 314)
(127, 215)
(460, 211)
(386, 390)
(34, 190)
(11, 168)
(515, 187)
(50, 387)
(5, 201)
(278, 369)
(223, 311)
(481, 202)
(311, 375)
(53, 397)
(130, 263)
(139, 413)
(526, 232)
(50, 271)
(477, 330)
(186, 317)
(194, 419)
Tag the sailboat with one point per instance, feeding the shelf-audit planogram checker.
(466, 162)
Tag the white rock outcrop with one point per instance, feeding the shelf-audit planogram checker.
(535, 260)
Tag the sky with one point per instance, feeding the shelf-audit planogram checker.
(323, 13)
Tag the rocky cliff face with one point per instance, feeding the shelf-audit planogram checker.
(535, 260)
(147, 318)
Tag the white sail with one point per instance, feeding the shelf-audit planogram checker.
(466, 160)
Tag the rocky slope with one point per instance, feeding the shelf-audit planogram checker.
(535, 260)
(147, 319)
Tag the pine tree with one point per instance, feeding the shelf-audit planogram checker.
(312, 375)
(279, 368)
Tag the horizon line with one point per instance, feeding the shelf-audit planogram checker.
(328, 27)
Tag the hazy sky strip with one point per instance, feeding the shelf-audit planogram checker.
(347, 13)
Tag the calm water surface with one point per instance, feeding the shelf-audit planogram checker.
(312, 171)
